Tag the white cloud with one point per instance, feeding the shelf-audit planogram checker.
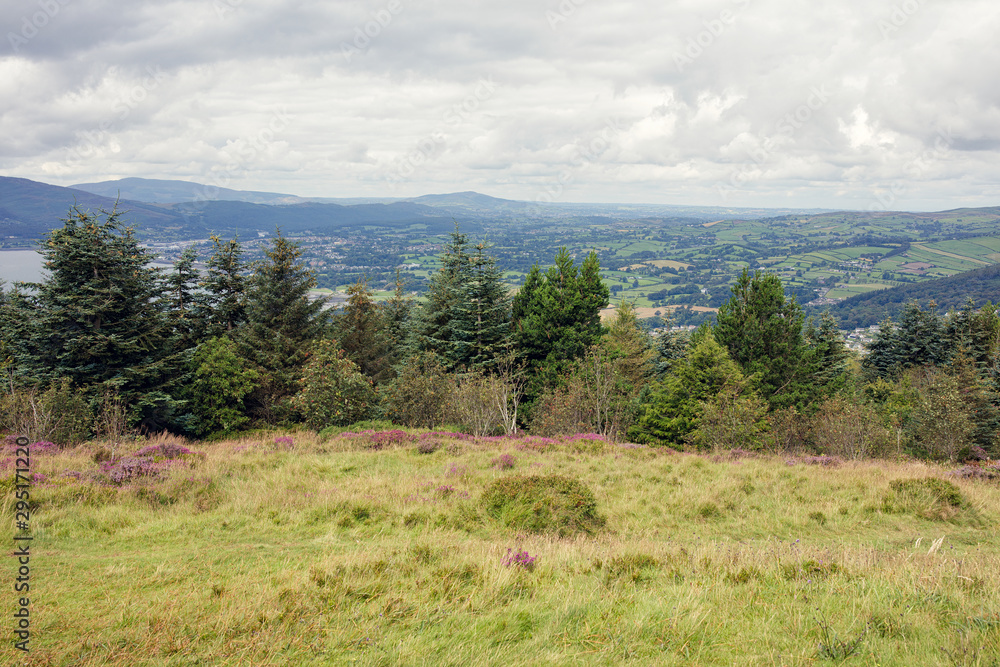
(788, 103)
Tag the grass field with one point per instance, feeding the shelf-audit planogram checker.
(376, 549)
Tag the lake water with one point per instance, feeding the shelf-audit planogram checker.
(23, 265)
(26, 265)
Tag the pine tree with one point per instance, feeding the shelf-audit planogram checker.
(673, 409)
(182, 300)
(827, 355)
(557, 317)
(222, 306)
(99, 319)
(975, 334)
(364, 335)
(919, 339)
(435, 322)
(281, 322)
(481, 326)
(763, 333)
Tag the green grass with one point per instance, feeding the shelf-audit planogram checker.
(335, 553)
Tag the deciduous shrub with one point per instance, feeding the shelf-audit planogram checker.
(61, 413)
(542, 504)
(220, 382)
(420, 396)
(850, 430)
(333, 392)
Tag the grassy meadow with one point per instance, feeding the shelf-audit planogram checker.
(377, 549)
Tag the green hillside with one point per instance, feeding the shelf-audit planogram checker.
(980, 285)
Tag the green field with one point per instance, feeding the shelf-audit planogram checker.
(811, 254)
(300, 550)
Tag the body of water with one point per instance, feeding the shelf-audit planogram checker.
(26, 265)
(23, 265)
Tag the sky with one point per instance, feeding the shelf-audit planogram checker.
(846, 104)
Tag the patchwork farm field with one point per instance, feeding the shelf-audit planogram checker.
(685, 266)
(432, 548)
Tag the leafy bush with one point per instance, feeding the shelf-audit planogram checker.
(332, 389)
(850, 430)
(61, 413)
(731, 419)
(481, 404)
(542, 503)
(420, 396)
(221, 380)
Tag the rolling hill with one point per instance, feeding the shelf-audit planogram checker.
(980, 285)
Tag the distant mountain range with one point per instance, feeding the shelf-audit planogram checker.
(173, 209)
(28, 209)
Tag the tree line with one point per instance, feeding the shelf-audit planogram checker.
(107, 344)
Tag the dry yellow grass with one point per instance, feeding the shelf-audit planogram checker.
(334, 553)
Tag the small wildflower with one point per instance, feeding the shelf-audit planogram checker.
(521, 559)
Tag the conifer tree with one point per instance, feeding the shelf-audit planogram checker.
(222, 305)
(481, 326)
(557, 317)
(99, 318)
(364, 335)
(673, 409)
(436, 321)
(919, 339)
(466, 317)
(763, 333)
(182, 300)
(281, 323)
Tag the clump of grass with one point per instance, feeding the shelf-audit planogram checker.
(543, 504)
(744, 575)
(818, 517)
(832, 647)
(811, 569)
(928, 498)
(709, 512)
(631, 567)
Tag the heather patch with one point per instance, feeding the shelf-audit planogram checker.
(504, 462)
(520, 559)
(378, 439)
(978, 470)
(132, 469)
(165, 450)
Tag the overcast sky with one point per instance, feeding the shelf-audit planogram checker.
(838, 104)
